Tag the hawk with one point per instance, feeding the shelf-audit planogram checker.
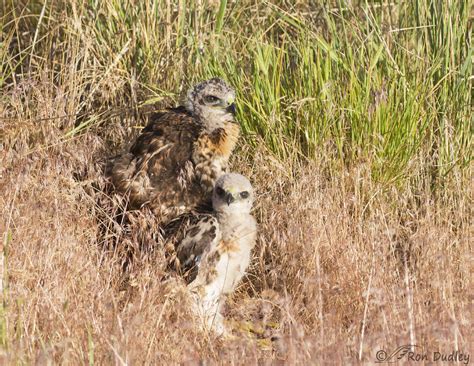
(217, 249)
(173, 164)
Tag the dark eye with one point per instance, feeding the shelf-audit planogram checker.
(244, 194)
(220, 192)
(210, 99)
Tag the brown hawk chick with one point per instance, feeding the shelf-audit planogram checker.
(173, 164)
(219, 248)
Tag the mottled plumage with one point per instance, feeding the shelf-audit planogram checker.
(217, 249)
(173, 164)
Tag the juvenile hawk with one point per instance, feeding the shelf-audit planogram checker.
(173, 164)
(218, 247)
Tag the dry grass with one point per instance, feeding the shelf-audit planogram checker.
(342, 266)
(346, 264)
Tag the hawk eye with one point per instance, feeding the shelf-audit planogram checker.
(211, 99)
(220, 192)
(244, 194)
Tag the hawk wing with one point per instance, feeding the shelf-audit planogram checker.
(197, 239)
(158, 168)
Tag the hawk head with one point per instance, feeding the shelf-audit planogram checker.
(212, 102)
(232, 194)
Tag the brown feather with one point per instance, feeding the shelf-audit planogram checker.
(170, 167)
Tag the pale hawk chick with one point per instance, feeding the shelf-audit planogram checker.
(219, 247)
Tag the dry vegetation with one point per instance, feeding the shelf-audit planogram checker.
(363, 176)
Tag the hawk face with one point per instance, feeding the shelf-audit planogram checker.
(212, 102)
(232, 194)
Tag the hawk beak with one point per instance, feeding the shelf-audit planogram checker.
(229, 198)
(231, 108)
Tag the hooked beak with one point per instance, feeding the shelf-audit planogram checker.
(229, 198)
(231, 109)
